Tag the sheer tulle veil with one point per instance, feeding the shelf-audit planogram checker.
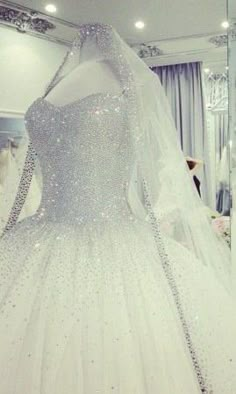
(169, 212)
(160, 189)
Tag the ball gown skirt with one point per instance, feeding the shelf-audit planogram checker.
(89, 310)
(85, 304)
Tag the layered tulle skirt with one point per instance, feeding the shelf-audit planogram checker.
(90, 309)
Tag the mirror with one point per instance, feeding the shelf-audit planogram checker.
(232, 115)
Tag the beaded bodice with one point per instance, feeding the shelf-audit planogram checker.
(84, 149)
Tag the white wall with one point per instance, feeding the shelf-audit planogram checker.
(27, 65)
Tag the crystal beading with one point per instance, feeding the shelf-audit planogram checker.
(88, 143)
(93, 29)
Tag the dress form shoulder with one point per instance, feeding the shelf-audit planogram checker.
(88, 78)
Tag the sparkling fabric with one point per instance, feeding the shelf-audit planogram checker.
(85, 301)
(78, 159)
(92, 298)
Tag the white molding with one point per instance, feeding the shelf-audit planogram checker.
(182, 38)
(213, 55)
(9, 113)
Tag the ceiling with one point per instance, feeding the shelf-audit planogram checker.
(181, 30)
(164, 19)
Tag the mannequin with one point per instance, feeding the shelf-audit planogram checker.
(85, 76)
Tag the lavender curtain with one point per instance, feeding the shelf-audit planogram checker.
(183, 85)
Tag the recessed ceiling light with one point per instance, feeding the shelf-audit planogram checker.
(139, 24)
(206, 70)
(227, 67)
(225, 24)
(51, 8)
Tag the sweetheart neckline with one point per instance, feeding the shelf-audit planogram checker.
(61, 107)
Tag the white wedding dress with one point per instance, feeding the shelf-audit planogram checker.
(86, 306)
